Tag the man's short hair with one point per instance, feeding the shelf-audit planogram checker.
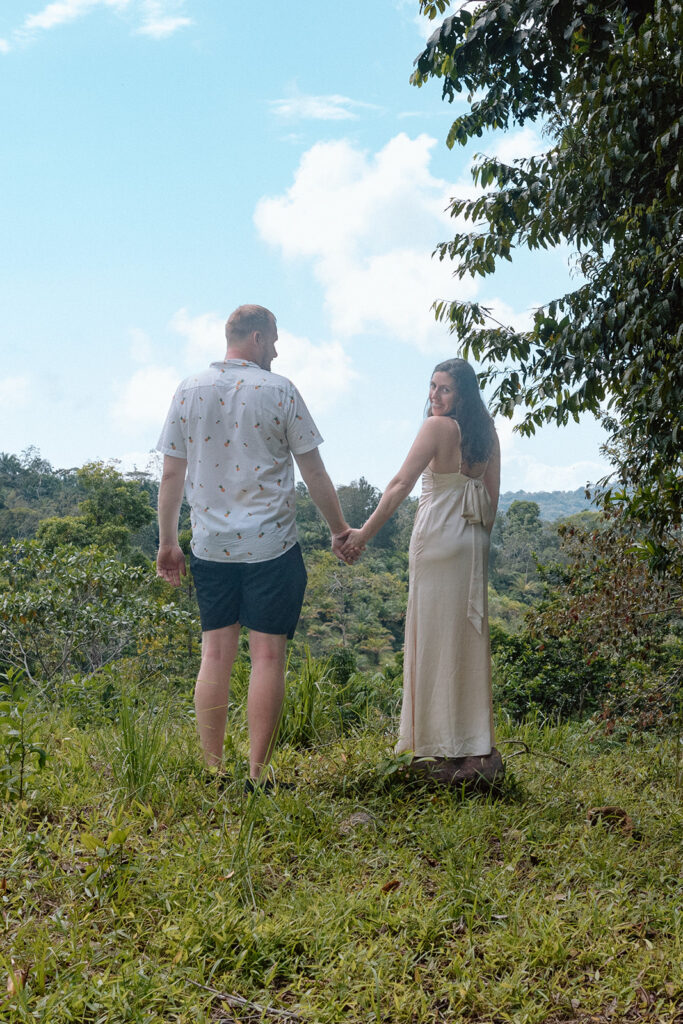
(247, 319)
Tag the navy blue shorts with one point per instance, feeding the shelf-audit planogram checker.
(265, 596)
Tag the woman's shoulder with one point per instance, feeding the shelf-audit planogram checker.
(441, 426)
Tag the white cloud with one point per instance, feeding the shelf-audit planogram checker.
(530, 474)
(548, 461)
(425, 27)
(344, 199)
(319, 108)
(321, 372)
(4, 46)
(508, 317)
(393, 292)
(14, 393)
(144, 399)
(161, 28)
(519, 145)
(369, 223)
(158, 22)
(158, 18)
(204, 334)
(62, 11)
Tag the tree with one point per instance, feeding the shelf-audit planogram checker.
(312, 529)
(358, 500)
(73, 611)
(607, 81)
(515, 545)
(606, 636)
(112, 509)
(360, 607)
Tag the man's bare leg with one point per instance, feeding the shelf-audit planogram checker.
(266, 696)
(219, 649)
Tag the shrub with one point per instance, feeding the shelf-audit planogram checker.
(72, 611)
(553, 677)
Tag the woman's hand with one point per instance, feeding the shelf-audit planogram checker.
(353, 546)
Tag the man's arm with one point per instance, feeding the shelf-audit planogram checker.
(170, 557)
(321, 490)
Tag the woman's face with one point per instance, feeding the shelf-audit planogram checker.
(441, 393)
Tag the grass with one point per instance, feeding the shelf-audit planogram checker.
(356, 897)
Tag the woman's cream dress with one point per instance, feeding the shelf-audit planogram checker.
(447, 709)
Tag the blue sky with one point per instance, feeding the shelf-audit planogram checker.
(163, 161)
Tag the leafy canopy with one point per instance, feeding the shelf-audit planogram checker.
(112, 509)
(607, 82)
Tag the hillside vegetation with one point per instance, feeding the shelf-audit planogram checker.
(135, 889)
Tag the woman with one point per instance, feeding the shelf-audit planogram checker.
(447, 711)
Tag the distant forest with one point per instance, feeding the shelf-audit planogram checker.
(553, 505)
(97, 505)
(575, 613)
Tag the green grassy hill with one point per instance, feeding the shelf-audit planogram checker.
(134, 890)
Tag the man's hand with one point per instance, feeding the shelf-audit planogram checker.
(347, 546)
(338, 541)
(171, 564)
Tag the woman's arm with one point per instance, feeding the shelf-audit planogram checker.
(432, 433)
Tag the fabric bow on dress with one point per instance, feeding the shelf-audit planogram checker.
(477, 511)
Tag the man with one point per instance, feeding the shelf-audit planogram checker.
(228, 441)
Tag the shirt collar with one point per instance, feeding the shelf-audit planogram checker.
(220, 363)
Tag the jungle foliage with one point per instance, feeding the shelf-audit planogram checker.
(133, 887)
(76, 607)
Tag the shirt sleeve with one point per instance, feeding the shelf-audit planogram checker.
(172, 440)
(302, 433)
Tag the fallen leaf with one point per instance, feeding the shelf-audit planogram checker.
(390, 886)
(357, 820)
(646, 998)
(614, 818)
(226, 878)
(3, 885)
(17, 980)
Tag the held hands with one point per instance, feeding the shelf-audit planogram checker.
(345, 548)
(171, 564)
(352, 546)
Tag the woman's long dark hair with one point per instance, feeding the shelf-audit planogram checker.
(472, 416)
